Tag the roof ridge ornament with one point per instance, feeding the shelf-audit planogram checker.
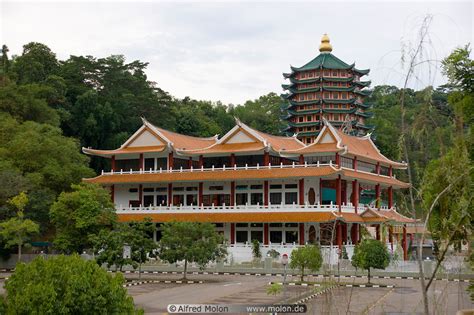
(325, 46)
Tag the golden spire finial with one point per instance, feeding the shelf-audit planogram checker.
(325, 45)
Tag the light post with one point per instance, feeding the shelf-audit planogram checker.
(284, 262)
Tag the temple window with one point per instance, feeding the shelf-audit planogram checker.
(128, 164)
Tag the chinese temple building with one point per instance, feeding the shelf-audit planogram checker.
(325, 88)
(255, 186)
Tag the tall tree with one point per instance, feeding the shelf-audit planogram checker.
(79, 215)
(35, 64)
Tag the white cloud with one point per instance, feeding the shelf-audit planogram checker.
(237, 51)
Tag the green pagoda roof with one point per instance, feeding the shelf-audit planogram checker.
(363, 92)
(363, 72)
(365, 114)
(304, 124)
(341, 111)
(304, 112)
(362, 83)
(324, 61)
(309, 133)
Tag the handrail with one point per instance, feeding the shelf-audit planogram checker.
(213, 168)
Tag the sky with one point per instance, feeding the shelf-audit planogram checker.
(236, 51)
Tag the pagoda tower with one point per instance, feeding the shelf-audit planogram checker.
(325, 88)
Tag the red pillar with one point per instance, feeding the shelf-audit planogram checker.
(200, 193)
(301, 160)
(301, 233)
(390, 197)
(354, 163)
(140, 194)
(170, 160)
(405, 243)
(112, 193)
(113, 163)
(338, 192)
(232, 160)
(265, 233)
(140, 162)
(377, 196)
(377, 168)
(355, 233)
(266, 158)
(301, 191)
(390, 171)
(355, 194)
(338, 159)
(265, 193)
(339, 237)
(232, 233)
(320, 190)
(360, 233)
(190, 162)
(344, 233)
(377, 232)
(170, 194)
(232, 193)
(201, 161)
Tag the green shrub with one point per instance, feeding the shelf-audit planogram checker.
(66, 284)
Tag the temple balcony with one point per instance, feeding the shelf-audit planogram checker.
(272, 208)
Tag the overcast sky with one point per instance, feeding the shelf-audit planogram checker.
(237, 51)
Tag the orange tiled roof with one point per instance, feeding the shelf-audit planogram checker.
(229, 148)
(264, 217)
(158, 148)
(281, 143)
(228, 174)
(364, 147)
(395, 216)
(183, 142)
(374, 178)
(350, 217)
(316, 147)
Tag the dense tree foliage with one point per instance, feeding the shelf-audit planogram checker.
(66, 285)
(81, 214)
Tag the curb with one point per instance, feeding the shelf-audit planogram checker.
(291, 275)
(312, 296)
(341, 285)
(131, 284)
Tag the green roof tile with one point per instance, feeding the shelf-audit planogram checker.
(325, 61)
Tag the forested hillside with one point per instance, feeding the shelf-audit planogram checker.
(49, 108)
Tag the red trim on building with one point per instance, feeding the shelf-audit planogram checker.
(190, 162)
(265, 193)
(301, 233)
(390, 171)
(232, 193)
(338, 159)
(140, 194)
(200, 193)
(266, 158)
(355, 233)
(301, 159)
(170, 194)
(265, 234)
(232, 233)
(344, 233)
(170, 160)
(338, 191)
(355, 194)
(113, 163)
(201, 161)
(390, 196)
(301, 191)
(377, 195)
(140, 162)
(377, 168)
(232, 160)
